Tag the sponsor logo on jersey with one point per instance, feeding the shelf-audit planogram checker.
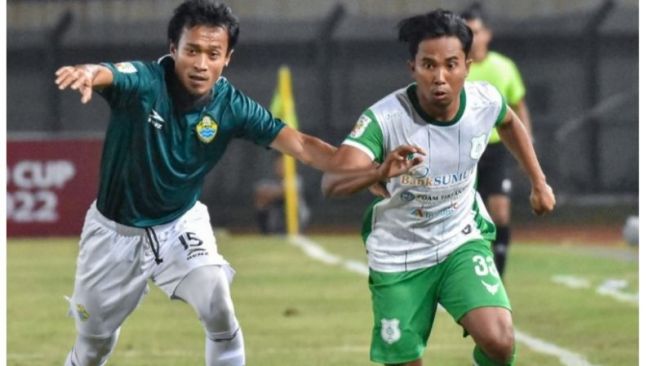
(407, 196)
(390, 331)
(155, 119)
(360, 127)
(420, 171)
(440, 214)
(478, 146)
(492, 289)
(126, 67)
(438, 181)
(206, 129)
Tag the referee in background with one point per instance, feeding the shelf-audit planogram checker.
(494, 184)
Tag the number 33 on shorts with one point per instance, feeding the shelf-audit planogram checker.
(484, 266)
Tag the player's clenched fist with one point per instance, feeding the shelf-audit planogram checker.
(542, 199)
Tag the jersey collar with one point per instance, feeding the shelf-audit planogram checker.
(412, 95)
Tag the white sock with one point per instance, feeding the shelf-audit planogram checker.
(229, 352)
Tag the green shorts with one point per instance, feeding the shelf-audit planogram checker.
(404, 303)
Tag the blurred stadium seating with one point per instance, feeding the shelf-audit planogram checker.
(579, 61)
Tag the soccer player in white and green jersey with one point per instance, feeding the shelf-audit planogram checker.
(428, 241)
(171, 121)
(494, 183)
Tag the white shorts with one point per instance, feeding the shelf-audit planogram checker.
(115, 262)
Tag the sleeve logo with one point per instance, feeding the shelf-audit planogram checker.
(360, 127)
(206, 129)
(126, 67)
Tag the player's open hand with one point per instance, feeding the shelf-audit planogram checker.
(401, 160)
(542, 199)
(77, 78)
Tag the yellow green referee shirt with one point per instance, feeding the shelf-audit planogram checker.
(501, 72)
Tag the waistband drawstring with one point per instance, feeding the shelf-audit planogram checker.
(154, 244)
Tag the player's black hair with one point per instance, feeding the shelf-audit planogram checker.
(475, 12)
(192, 13)
(435, 24)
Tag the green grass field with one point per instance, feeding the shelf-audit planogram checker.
(295, 310)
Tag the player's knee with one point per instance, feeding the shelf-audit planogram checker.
(93, 351)
(499, 344)
(206, 289)
(218, 315)
(216, 311)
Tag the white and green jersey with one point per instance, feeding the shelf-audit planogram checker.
(435, 208)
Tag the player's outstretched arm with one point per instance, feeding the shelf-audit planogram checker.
(83, 78)
(359, 172)
(308, 149)
(515, 137)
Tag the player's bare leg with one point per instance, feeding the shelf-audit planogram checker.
(492, 331)
(206, 289)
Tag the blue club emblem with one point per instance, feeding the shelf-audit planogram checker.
(206, 129)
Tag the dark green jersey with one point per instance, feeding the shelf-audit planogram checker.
(155, 157)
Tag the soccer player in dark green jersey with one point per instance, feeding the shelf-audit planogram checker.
(171, 121)
(494, 183)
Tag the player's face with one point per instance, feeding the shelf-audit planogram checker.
(482, 38)
(439, 69)
(200, 56)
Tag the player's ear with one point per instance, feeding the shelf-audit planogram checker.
(411, 65)
(173, 50)
(228, 59)
(468, 64)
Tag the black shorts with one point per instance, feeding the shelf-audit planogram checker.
(493, 171)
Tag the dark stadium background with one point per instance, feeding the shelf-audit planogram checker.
(579, 61)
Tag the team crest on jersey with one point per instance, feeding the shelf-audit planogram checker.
(360, 127)
(206, 129)
(126, 67)
(390, 330)
(82, 313)
(478, 146)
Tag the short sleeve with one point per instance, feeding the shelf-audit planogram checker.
(367, 136)
(503, 109)
(129, 79)
(255, 123)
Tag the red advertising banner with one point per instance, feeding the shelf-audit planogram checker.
(50, 185)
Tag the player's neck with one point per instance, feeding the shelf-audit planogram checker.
(185, 101)
(442, 113)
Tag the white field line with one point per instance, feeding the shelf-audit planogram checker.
(611, 287)
(315, 251)
(566, 357)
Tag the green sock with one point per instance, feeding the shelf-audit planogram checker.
(481, 359)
